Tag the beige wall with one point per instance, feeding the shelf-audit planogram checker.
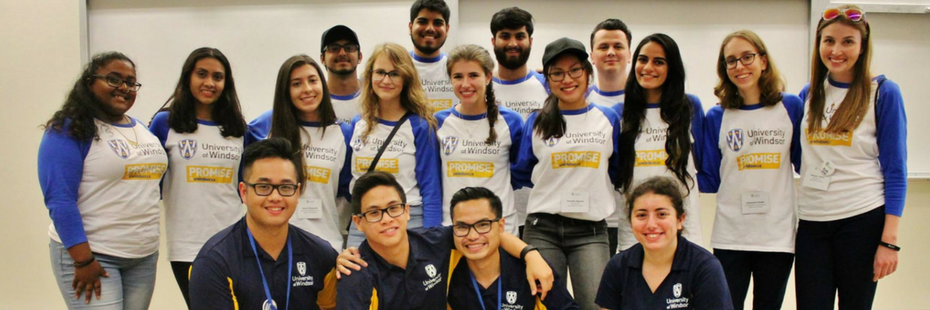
(40, 46)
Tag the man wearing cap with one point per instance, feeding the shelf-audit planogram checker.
(263, 262)
(516, 87)
(488, 279)
(610, 55)
(340, 52)
(429, 26)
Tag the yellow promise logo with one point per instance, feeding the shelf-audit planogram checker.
(206, 174)
(576, 160)
(317, 174)
(829, 139)
(759, 161)
(144, 171)
(469, 169)
(389, 165)
(650, 158)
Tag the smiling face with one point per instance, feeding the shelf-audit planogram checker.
(651, 67)
(469, 82)
(611, 52)
(512, 47)
(428, 32)
(569, 90)
(342, 62)
(387, 88)
(272, 211)
(840, 47)
(475, 246)
(306, 91)
(114, 101)
(745, 77)
(208, 80)
(389, 231)
(655, 222)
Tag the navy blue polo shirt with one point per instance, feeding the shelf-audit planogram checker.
(696, 281)
(422, 285)
(225, 274)
(515, 292)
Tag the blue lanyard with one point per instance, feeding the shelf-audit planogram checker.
(290, 257)
(500, 283)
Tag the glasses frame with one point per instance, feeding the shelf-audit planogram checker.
(475, 226)
(382, 212)
(578, 69)
(335, 48)
(731, 63)
(849, 13)
(393, 75)
(274, 187)
(110, 79)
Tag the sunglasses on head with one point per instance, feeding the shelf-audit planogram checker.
(853, 14)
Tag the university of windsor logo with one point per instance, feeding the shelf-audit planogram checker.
(677, 290)
(302, 268)
(735, 139)
(552, 141)
(188, 148)
(120, 148)
(431, 270)
(448, 144)
(357, 144)
(511, 297)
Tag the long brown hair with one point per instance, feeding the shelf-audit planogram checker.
(412, 96)
(854, 107)
(771, 83)
(284, 120)
(549, 120)
(477, 54)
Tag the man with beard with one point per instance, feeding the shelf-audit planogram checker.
(516, 87)
(428, 29)
(610, 55)
(341, 54)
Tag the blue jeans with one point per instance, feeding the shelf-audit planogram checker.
(356, 237)
(577, 245)
(129, 287)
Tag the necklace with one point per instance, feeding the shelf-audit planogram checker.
(134, 141)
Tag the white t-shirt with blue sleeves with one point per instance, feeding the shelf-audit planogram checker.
(650, 162)
(574, 175)
(435, 81)
(870, 162)
(326, 167)
(751, 151)
(104, 191)
(412, 157)
(200, 189)
(523, 95)
(605, 98)
(468, 161)
(346, 107)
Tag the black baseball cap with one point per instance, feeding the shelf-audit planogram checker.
(563, 45)
(336, 33)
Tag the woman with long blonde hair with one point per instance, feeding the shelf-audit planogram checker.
(853, 169)
(392, 96)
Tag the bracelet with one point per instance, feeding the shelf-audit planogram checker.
(527, 250)
(85, 263)
(889, 245)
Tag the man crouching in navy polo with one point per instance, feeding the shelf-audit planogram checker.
(487, 279)
(262, 262)
(409, 269)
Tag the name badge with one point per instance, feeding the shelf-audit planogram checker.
(756, 203)
(311, 208)
(575, 202)
(820, 178)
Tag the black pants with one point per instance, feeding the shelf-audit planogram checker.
(612, 240)
(769, 272)
(837, 257)
(182, 275)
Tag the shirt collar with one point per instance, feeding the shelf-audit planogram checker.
(680, 261)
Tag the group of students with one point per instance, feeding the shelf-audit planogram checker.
(446, 142)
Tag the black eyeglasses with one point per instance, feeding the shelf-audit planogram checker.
(265, 189)
(559, 75)
(481, 227)
(378, 75)
(334, 48)
(116, 82)
(745, 60)
(374, 216)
